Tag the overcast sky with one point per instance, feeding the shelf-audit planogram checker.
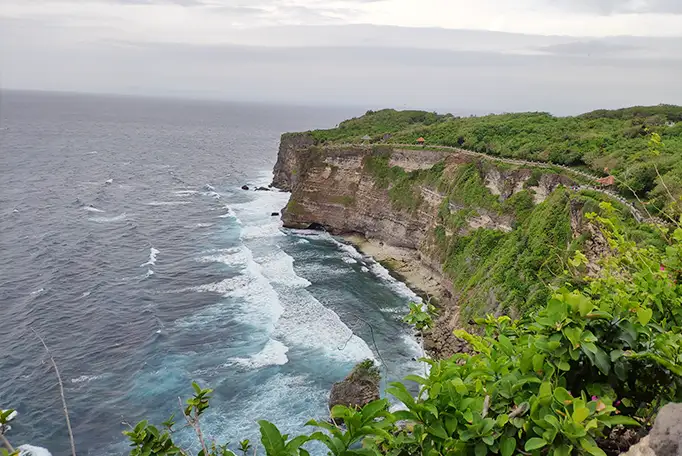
(462, 56)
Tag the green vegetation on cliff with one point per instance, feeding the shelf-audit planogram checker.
(507, 264)
(615, 140)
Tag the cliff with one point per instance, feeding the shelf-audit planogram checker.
(482, 231)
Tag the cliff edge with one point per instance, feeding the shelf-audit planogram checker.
(481, 232)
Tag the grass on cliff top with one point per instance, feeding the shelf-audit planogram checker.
(613, 140)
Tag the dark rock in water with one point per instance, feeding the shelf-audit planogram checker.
(262, 189)
(245, 187)
(358, 389)
(666, 435)
(275, 214)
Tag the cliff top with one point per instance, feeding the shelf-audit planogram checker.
(613, 142)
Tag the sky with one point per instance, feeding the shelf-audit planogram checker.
(460, 56)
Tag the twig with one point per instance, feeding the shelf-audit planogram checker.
(6, 442)
(374, 342)
(194, 423)
(61, 393)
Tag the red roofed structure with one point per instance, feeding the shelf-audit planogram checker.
(607, 181)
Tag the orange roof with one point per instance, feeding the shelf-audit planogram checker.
(609, 180)
(421, 140)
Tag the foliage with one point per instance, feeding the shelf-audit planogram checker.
(366, 369)
(613, 140)
(420, 316)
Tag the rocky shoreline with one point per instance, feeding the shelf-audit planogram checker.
(405, 264)
(428, 284)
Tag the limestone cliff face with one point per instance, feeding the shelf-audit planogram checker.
(333, 188)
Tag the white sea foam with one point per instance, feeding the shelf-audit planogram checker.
(186, 192)
(203, 225)
(152, 258)
(364, 269)
(307, 323)
(167, 203)
(86, 378)
(118, 218)
(273, 354)
(397, 286)
(92, 209)
(229, 213)
(86, 294)
(303, 241)
(347, 248)
(261, 306)
(261, 231)
(37, 292)
(149, 274)
(278, 267)
(349, 260)
(230, 257)
(30, 450)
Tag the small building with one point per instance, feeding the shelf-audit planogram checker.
(366, 138)
(387, 136)
(607, 181)
(421, 141)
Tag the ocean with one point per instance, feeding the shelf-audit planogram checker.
(129, 246)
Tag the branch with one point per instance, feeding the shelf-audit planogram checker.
(61, 393)
(194, 423)
(6, 442)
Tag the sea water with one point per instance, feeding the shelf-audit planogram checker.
(128, 244)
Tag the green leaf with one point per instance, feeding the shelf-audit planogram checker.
(601, 360)
(197, 388)
(435, 389)
(459, 385)
(580, 414)
(591, 447)
(438, 430)
(616, 419)
(506, 345)
(563, 450)
(481, 449)
(585, 307)
(535, 443)
(563, 365)
(335, 445)
(371, 410)
(507, 446)
(271, 438)
(573, 335)
(416, 379)
(616, 355)
(295, 443)
(644, 315)
(399, 391)
(563, 396)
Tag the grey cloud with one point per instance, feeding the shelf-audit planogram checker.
(156, 2)
(609, 7)
(459, 81)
